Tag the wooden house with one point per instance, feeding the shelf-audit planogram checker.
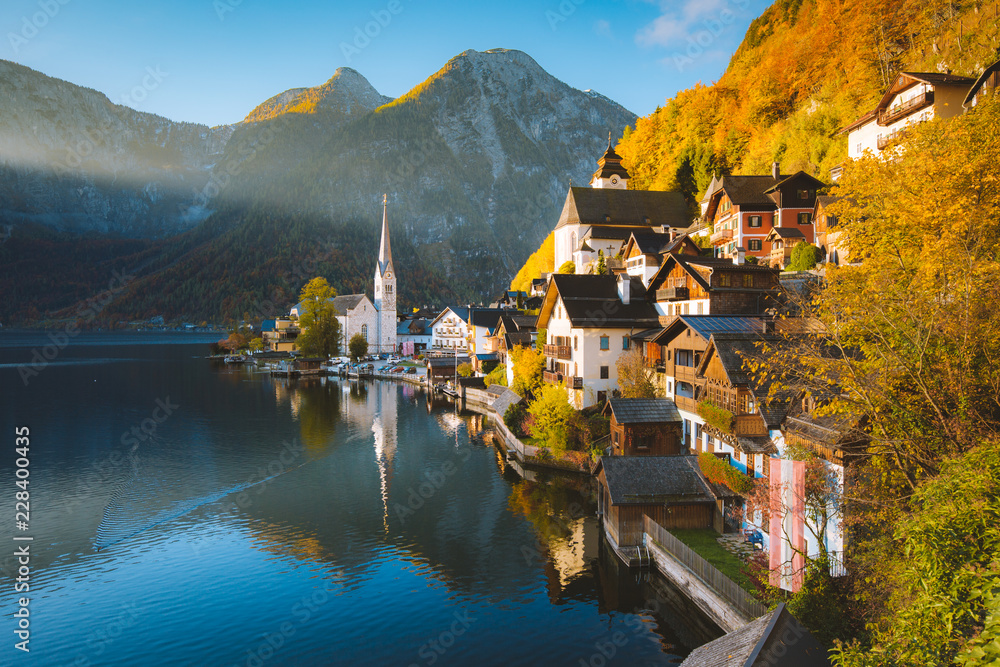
(782, 241)
(671, 490)
(645, 427)
(644, 252)
(444, 367)
(694, 285)
(828, 234)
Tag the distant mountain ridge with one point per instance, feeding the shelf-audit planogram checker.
(476, 161)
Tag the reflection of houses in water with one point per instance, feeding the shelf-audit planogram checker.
(571, 556)
(284, 392)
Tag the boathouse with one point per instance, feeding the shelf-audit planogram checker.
(645, 427)
(671, 490)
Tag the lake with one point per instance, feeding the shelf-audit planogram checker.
(185, 512)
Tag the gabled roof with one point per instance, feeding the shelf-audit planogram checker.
(974, 88)
(461, 313)
(644, 480)
(775, 639)
(414, 327)
(799, 175)
(786, 233)
(748, 191)
(342, 303)
(643, 410)
(732, 349)
(607, 206)
(648, 243)
(691, 263)
(906, 79)
(592, 301)
(704, 326)
(504, 400)
(485, 317)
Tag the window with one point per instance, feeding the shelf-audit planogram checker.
(805, 218)
(574, 343)
(604, 372)
(364, 331)
(803, 194)
(685, 358)
(624, 342)
(670, 387)
(605, 343)
(748, 280)
(753, 244)
(685, 390)
(755, 221)
(602, 397)
(724, 280)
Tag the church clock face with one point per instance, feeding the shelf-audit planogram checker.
(388, 275)
(614, 180)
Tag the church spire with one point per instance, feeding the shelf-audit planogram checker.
(385, 250)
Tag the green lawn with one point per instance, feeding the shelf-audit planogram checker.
(705, 543)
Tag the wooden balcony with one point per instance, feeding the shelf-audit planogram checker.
(558, 351)
(750, 425)
(554, 377)
(673, 294)
(889, 116)
(722, 236)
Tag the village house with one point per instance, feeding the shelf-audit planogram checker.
(912, 98)
(450, 329)
(356, 314)
(480, 326)
(828, 234)
(671, 490)
(645, 427)
(986, 84)
(782, 241)
(279, 334)
(414, 335)
(643, 253)
(694, 285)
(511, 331)
(602, 216)
(589, 321)
(744, 209)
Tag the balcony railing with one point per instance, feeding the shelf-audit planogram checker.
(889, 116)
(554, 377)
(750, 425)
(558, 351)
(885, 139)
(673, 294)
(722, 236)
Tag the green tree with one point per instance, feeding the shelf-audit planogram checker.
(602, 264)
(320, 335)
(551, 414)
(633, 377)
(357, 347)
(465, 370)
(567, 267)
(805, 256)
(256, 344)
(528, 367)
(497, 376)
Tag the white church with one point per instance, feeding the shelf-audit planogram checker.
(358, 314)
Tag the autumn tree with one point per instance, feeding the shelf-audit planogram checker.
(551, 414)
(528, 366)
(634, 379)
(320, 335)
(567, 267)
(357, 347)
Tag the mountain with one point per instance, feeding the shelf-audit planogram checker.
(805, 69)
(72, 160)
(475, 160)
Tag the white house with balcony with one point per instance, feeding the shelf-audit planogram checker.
(589, 321)
(450, 330)
(912, 98)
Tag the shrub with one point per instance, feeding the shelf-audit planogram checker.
(551, 414)
(465, 370)
(804, 257)
(718, 471)
(514, 418)
(717, 417)
(497, 376)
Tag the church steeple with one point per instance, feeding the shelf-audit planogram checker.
(610, 171)
(385, 250)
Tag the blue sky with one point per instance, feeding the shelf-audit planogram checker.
(212, 61)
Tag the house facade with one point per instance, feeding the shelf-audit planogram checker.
(744, 209)
(450, 330)
(695, 285)
(912, 98)
(589, 321)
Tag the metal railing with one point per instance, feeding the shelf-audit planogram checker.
(725, 587)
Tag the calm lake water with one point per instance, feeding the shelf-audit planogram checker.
(188, 513)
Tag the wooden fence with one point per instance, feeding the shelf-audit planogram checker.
(725, 587)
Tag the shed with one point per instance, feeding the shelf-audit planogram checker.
(645, 427)
(670, 489)
(776, 639)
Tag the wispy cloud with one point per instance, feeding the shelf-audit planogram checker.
(679, 21)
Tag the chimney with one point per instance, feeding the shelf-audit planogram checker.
(673, 233)
(740, 257)
(775, 170)
(624, 287)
